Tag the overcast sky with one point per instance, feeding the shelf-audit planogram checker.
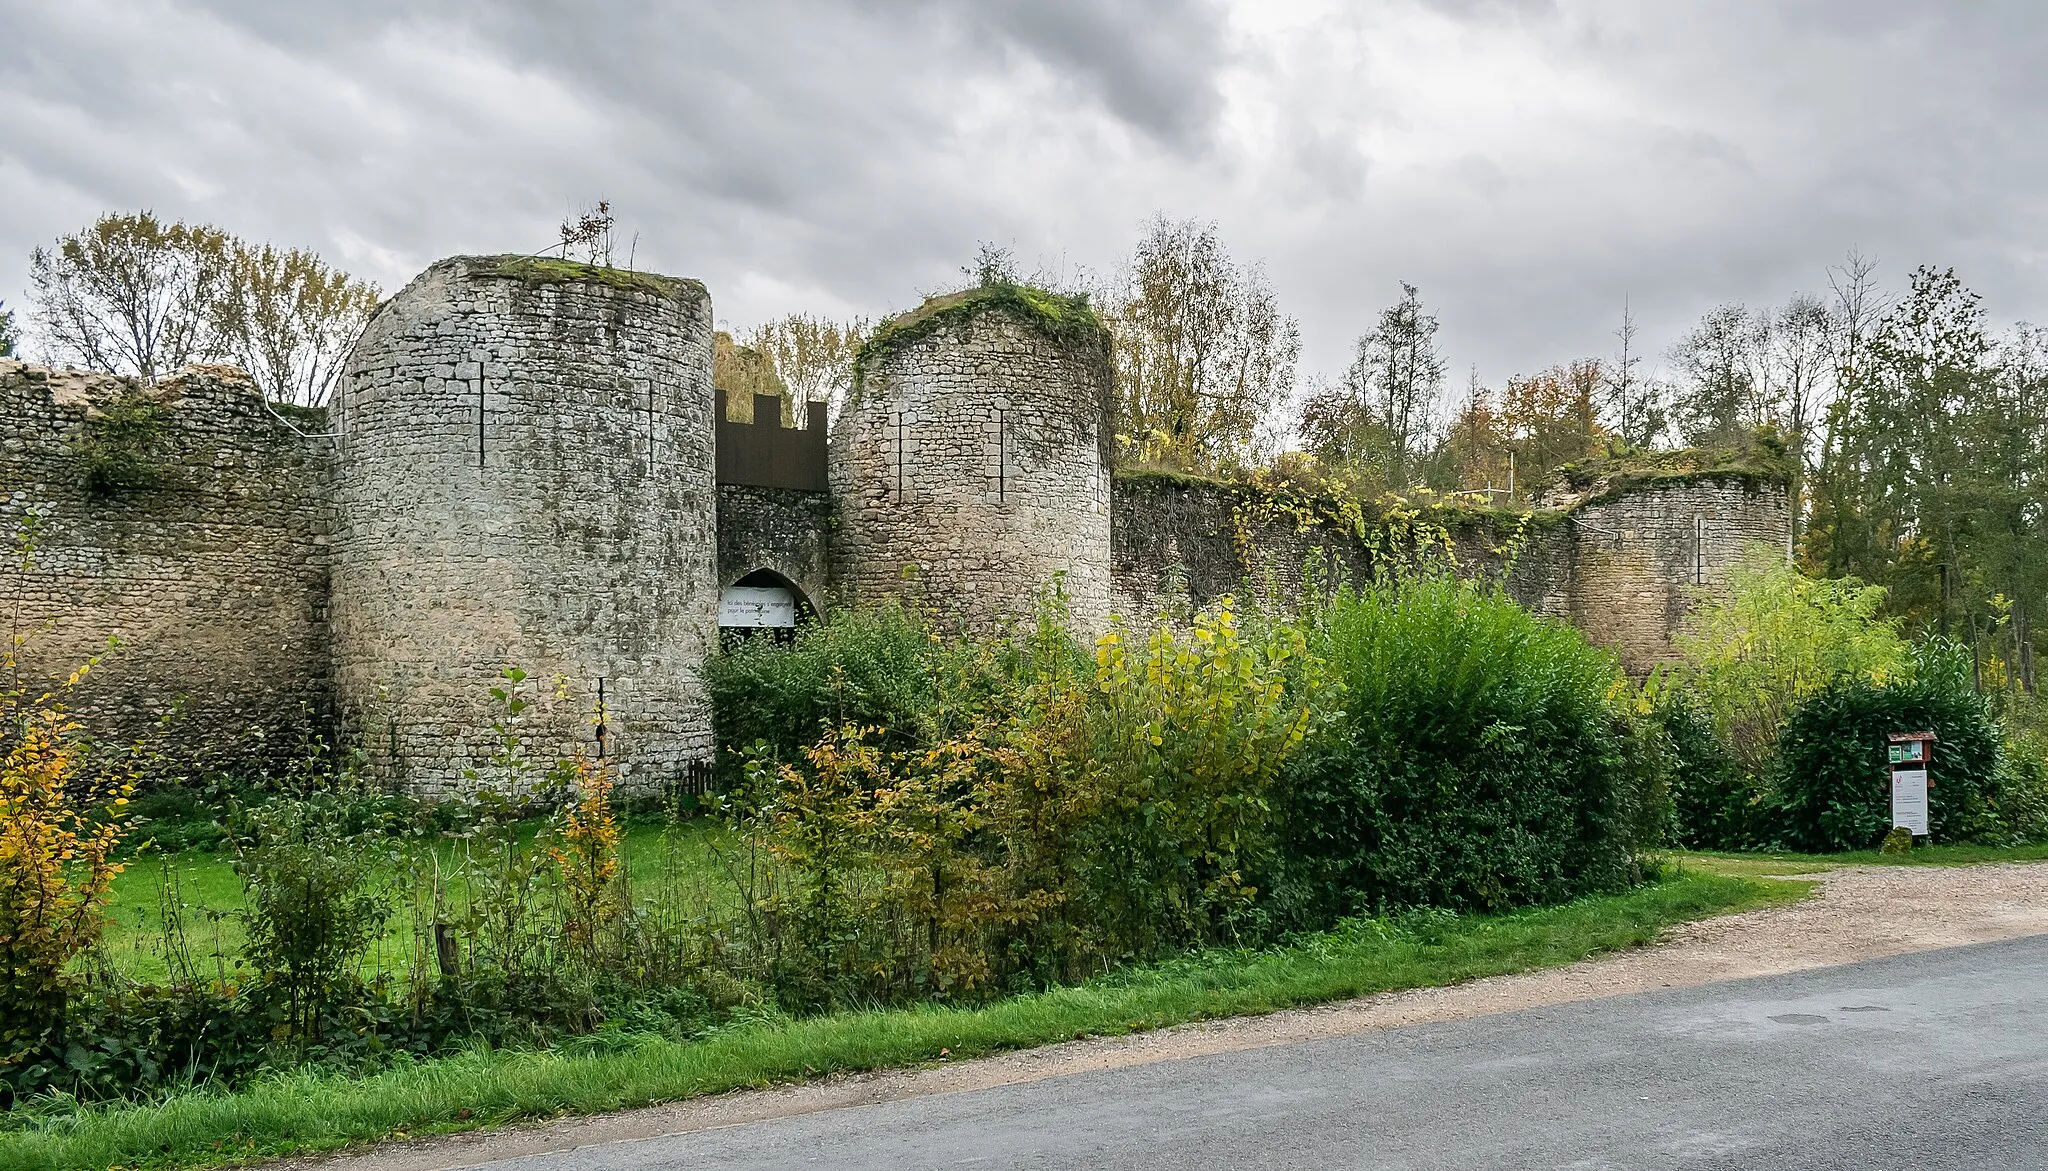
(1527, 164)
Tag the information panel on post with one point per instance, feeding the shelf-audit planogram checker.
(1910, 754)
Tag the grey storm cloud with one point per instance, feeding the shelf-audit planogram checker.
(1528, 163)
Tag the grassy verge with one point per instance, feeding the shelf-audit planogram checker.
(1766, 863)
(310, 1112)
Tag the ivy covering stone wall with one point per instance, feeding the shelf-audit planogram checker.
(1625, 567)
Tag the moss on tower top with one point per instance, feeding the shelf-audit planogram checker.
(1762, 461)
(1067, 319)
(534, 271)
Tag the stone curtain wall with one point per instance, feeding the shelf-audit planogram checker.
(1641, 561)
(524, 476)
(210, 570)
(1623, 570)
(781, 529)
(971, 469)
(1183, 542)
(528, 482)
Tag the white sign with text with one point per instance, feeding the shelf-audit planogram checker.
(757, 606)
(1909, 799)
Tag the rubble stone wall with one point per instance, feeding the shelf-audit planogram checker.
(1627, 570)
(202, 553)
(783, 530)
(1642, 561)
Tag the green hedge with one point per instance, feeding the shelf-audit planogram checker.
(1715, 803)
(1833, 788)
(1472, 759)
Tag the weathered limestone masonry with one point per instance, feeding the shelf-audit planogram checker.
(527, 482)
(1626, 569)
(528, 468)
(1641, 560)
(202, 550)
(785, 531)
(972, 466)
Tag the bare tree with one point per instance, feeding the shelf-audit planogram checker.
(1856, 309)
(1397, 376)
(1633, 400)
(131, 294)
(1800, 365)
(812, 357)
(290, 320)
(589, 232)
(1721, 398)
(1203, 353)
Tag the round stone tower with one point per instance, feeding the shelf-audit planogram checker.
(971, 465)
(526, 482)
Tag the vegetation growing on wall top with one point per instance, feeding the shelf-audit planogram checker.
(1763, 460)
(535, 271)
(1311, 501)
(1068, 319)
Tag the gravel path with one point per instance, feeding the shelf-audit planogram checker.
(1859, 913)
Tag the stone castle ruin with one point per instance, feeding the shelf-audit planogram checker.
(525, 465)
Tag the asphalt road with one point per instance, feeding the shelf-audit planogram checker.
(1932, 1060)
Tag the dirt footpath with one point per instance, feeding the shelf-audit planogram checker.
(1859, 913)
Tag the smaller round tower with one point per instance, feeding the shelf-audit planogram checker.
(971, 464)
(526, 481)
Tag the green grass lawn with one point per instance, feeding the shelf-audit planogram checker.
(309, 1112)
(204, 881)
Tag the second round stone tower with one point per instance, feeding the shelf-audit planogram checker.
(527, 483)
(971, 464)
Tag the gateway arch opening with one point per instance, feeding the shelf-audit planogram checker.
(763, 604)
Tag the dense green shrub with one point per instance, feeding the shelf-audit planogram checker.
(312, 907)
(2023, 788)
(1775, 636)
(1192, 728)
(1714, 801)
(1472, 761)
(879, 668)
(1832, 782)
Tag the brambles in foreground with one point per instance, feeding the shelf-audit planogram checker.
(312, 910)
